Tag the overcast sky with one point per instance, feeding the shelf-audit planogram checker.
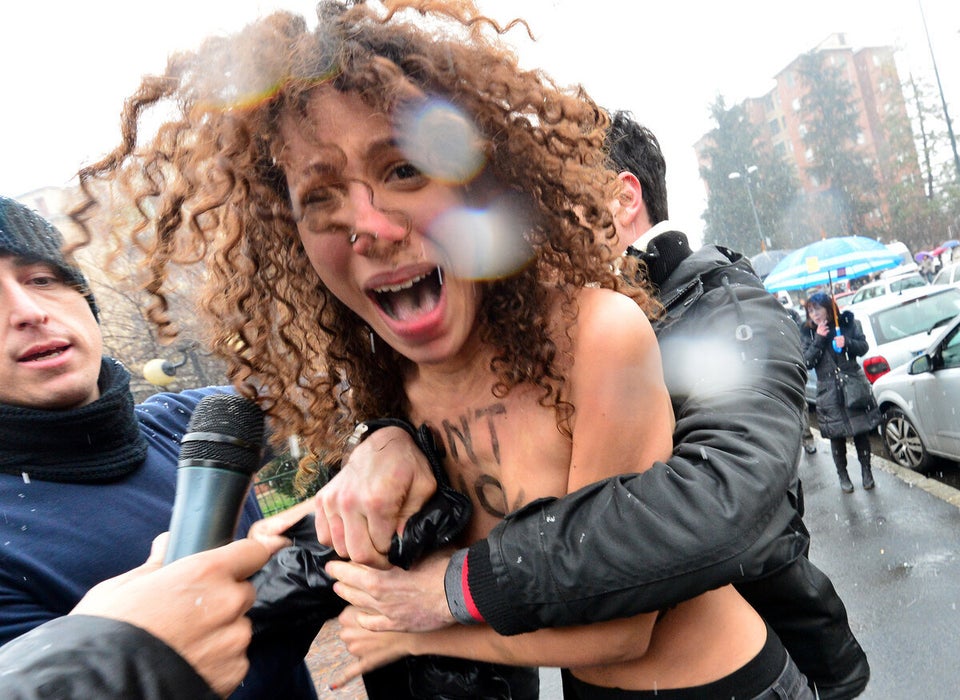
(68, 65)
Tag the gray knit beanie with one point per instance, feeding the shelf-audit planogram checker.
(25, 234)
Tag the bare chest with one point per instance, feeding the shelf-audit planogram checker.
(503, 453)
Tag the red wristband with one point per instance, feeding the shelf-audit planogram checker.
(467, 597)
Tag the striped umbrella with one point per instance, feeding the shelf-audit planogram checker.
(830, 260)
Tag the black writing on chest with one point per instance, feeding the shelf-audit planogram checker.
(465, 437)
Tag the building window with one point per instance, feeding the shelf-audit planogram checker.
(795, 104)
(808, 154)
(861, 139)
(774, 126)
(802, 129)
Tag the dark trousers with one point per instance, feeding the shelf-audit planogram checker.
(800, 603)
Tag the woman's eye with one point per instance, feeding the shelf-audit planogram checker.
(405, 171)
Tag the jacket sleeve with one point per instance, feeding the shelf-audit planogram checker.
(640, 542)
(813, 345)
(77, 657)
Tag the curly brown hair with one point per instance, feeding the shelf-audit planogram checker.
(207, 188)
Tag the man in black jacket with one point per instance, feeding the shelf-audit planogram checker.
(725, 508)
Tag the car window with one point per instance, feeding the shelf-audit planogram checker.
(951, 351)
(917, 316)
(943, 277)
(906, 283)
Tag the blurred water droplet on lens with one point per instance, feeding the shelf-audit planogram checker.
(482, 243)
(441, 141)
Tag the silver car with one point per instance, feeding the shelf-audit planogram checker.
(920, 404)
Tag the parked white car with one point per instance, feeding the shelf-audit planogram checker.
(949, 274)
(888, 285)
(920, 403)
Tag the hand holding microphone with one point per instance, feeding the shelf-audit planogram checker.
(219, 455)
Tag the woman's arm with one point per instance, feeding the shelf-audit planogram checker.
(567, 647)
(623, 419)
(813, 345)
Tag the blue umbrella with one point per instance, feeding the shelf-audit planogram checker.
(830, 260)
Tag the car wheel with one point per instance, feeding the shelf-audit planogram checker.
(903, 441)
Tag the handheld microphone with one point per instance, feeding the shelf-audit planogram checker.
(219, 455)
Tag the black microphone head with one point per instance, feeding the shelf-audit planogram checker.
(225, 431)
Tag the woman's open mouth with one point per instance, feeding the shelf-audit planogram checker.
(410, 299)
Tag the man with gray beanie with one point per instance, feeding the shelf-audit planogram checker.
(88, 478)
(25, 235)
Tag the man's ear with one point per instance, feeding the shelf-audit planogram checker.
(631, 207)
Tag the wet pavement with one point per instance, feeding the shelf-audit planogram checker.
(893, 554)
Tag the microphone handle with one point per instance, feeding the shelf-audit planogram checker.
(206, 509)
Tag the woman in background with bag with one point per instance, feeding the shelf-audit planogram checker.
(832, 341)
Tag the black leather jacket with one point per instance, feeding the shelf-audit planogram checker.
(77, 657)
(833, 418)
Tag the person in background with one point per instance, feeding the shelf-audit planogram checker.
(749, 532)
(927, 268)
(832, 341)
(142, 635)
(90, 478)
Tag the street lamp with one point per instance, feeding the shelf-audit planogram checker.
(750, 170)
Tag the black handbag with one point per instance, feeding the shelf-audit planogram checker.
(854, 388)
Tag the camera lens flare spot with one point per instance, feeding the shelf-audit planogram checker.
(482, 243)
(441, 141)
